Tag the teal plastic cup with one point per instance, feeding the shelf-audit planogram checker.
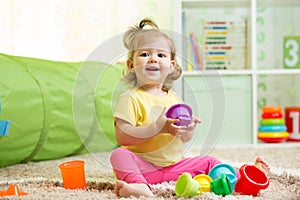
(221, 186)
(186, 186)
(223, 168)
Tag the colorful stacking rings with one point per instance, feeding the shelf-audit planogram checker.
(272, 126)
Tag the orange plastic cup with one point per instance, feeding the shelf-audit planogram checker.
(73, 174)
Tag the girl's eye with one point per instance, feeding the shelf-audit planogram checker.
(161, 55)
(144, 54)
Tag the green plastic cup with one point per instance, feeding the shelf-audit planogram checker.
(221, 186)
(186, 186)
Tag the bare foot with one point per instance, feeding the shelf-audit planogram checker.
(261, 163)
(123, 189)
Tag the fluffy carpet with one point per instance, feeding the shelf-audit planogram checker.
(42, 180)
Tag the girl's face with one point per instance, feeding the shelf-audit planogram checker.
(152, 62)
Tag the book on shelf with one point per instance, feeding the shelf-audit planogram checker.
(196, 51)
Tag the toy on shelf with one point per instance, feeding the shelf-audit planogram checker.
(292, 118)
(12, 190)
(272, 127)
(182, 112)
(4, 124)
(73, 174)
(252, 180)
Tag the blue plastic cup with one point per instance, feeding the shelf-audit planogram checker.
(217, 171)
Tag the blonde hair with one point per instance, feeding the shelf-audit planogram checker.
(136, 36)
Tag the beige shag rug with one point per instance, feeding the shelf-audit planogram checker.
(42, 180)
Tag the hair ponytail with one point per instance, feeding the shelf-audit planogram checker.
(146, 21)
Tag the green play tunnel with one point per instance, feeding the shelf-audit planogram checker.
(56, 109)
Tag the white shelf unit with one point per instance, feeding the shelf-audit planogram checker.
(254, 71)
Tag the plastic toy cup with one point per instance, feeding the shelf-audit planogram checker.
(221, 185)
(251, 181)
(204, 182)
(73, 174)
(223, 168)
(12, 190)
(186, 186)
(4, 127)
(182, 112)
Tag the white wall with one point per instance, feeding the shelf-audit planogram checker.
(69, 30)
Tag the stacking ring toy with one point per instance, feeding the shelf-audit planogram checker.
(271, 109)
(271, 115)
(273, 128)
(272, 122)
(273, 136)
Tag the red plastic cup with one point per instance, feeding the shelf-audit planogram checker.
(292, 120)
(251, 181)
(73, 174)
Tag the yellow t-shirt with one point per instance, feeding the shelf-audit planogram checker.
(141, 108)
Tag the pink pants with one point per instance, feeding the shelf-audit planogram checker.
(132, 169)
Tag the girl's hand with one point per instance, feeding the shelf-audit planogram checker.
(193, 124)
(170, 127)
(167, 125)
(187, 132)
